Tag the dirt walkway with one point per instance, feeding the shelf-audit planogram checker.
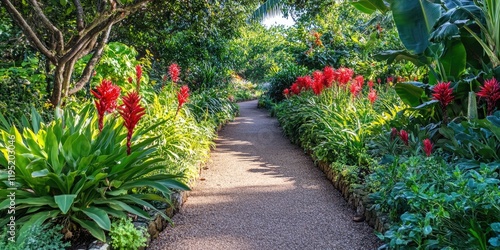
(261, 192)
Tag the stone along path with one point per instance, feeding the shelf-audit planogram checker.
(262, 192)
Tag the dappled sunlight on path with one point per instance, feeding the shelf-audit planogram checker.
(261, 192)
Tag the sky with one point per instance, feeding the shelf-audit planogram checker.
(277, 20)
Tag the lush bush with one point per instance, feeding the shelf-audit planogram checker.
(283, 79)
(125, 236)
(69, 170)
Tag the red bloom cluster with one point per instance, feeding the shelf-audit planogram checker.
(491, 92)
(106, 95)
(318, 82)
(182, 97)
(173, 71)
(394, 133)
(427, 147)
(131, 112)
(138, 74)
(444, 94)
(323, 79)
(404, 136)
(372, 96)
(344, 76)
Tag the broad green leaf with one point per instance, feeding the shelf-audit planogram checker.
(64, 201)
(92, 227)
(414, 21)
(99, 216)
(454, 60)
(370, 6)
(410, 93)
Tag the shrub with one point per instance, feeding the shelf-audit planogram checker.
(125, 236)
(38, 237)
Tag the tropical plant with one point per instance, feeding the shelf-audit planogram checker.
(42, 237)
(70, 171)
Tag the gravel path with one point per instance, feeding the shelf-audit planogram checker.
(261, 192)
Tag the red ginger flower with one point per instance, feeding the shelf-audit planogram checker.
(404, 136)
(359, 80)
(182, 97)
(295, 88)
(444, 94)
(428, 147)
(394, 133)
(138, 74)
(370, 84)
(130, 80)
(286, 92)
(318, 82)
(304, 82)
(372, 96)
(328, 76)
(106, 95)
(131, 112)
(355, 89)
(174, 71)
(491, 92)
(344, 75)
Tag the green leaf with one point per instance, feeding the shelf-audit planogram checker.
(399, 55)
(410, 93)
(92, 227)
(99, 216)
(370, 6)
(64, 201)
(454, 60)
(427, 230)
(414, 21)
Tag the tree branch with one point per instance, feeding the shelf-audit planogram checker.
(48, 24)
(80, 25)
(30, 34)
(89, 68)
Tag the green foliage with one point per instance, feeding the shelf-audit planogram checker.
(70, 171)
(124, 235)
(432, 204)
(475, 140)
(37, 237)
(283, 79)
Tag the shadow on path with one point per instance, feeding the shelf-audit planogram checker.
(262, 192)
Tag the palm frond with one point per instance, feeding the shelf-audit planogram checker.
(270, 8)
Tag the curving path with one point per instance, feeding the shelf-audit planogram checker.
(262, 192)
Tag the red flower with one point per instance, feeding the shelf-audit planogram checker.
(389, 79)
(286, 93)
(404, 136)
(355, 89)
(444, 94)
(491, 92)
(130, 80)
(182, 97)
(328, 76)
(304, 82)
(370, 84)
(318, 82)
(174, 71)
(131, 112)
(138, 74)
(359, 80)
(344, 75)
(372, 96)
(379, 80)
(394, 133)
(428, 147)
(106, 95)
(295, 88)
